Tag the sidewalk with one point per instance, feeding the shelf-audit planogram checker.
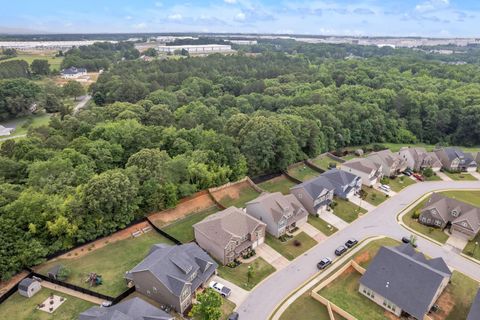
(71, 292)
(333, 220)
(443, 176)
(271, 256)
(238, 294)
(475, 174)
(362, 203)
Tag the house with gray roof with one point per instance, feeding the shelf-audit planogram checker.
(132, 309)
(229, 234)
(281, 213)
(404, 282)
(317, 193)
(474, 313)
(73, 73)
(442, 212)
(369, 171)
(172, 274)
(454, 159)
(392, 164)
(419, 159)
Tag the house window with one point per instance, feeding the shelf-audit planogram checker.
(429, 220)
(465, 224)
(299, 196)
(424, 219)
(454, 213)
(438, 222)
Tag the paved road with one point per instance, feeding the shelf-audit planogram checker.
(83, 101)
(381, 221)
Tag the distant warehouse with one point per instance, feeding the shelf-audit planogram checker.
(197, 49)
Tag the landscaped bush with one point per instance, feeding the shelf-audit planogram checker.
(297, 243)
(428, 172)
(415, 214)
(333, 204)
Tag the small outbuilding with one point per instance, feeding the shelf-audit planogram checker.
(28, 287)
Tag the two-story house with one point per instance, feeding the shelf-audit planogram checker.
(280, 212)
(404, 282)
(228, 234)
(419, 159)
(442, 212)
(454, 159)
(171, 275)
(392, 164)
(369, 171)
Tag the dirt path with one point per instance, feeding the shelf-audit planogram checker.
(70, 292)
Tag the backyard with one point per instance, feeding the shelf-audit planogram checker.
(471, 197)
(472, 248)
(398, 183)
(110, 261)
(460, 176)
(324, 162)
(323, 226)
(306, 308)
(22, 124)
(279, 184)
(182, 229)
(289, 249)
(347, 210)
(239, 275)
(244, 195)
(373, 196)
(18, 307)
(303, 173)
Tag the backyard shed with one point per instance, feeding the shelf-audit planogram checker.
(28, 287)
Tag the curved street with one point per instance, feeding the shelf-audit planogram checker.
(262, 301)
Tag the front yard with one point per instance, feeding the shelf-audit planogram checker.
(303, 173)
(110, 261)
(293, 247)
(472, 248)
(245, 195)
(347, 210)
(398, 183)
(239, 275)
(323, 226)
(373, 196)
(435, 177)
(279, 184)
(457, 298)
(460, 176)
(324, 162)
(182, 229)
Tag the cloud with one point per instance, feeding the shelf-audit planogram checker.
(239, 17)
(128, 17)
(158, 4)
(364, 11)
(175, 17)
(432, 5)
(140, 26)
(230, 1)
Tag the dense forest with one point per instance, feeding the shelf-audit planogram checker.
(161, 130)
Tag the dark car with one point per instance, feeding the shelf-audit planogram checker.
(405, 240)
(325, 262)
(233, 316)
(407, 173)
(351, 242)
(340, 250)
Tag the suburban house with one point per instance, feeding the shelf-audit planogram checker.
(73, 73)
(404, 282)
(317, 193)
(369, 171)
(418, 159)
(228, 234)
(443, 212)
(474, 313)
(172, 274)
(456, 160)
(281, 213)
(132, 309)
(392, 164)
(28, 287)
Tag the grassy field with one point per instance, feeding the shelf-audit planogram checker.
(322, 225)
(238, 275)
(279, 184)
(110, 261)
(288, 248)
(24, 123)
(398, 183)
(182, 229)
(374, 197)
(323, 162)
(55, 62)
(18, 307)
(472, 197)
(460, 176)
(433, 178)
(461, 290)
(347, 210)
(245, 195)
(303, 173)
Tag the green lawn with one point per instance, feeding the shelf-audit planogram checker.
(245, 195)
(322, 225)
(472, 197)
(303, 173)
(18, 307)
(347, 210)
(462, 289)
(305, 308)
(238, 275)
(182, 229)
(55, 62)
(460, 176)
(323, 162)
(433, 178)
(24, 123)
(364, 256)
(279, 184)
(398, 183)
(472, 249)
(288, 248)
(349, 156)
(110, 261)
(374, 197)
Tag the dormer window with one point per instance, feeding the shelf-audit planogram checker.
(455, 213)
(464, 224)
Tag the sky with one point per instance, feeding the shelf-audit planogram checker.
(434, 18)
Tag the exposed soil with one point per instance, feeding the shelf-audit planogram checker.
(363, 257)
(6, 285)
(446, 303)
(232, 191)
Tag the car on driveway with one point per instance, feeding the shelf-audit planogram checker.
(419, 177)
(351, 242)
(407, 173)
(220, 288)
(384, 187)
(325, 262)
(340, 250)
(233, 316)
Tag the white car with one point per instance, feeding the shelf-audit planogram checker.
(220, 288)
(385, 188)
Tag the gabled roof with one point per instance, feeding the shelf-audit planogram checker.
(224, 226)
(326, 182)
(278, 205)
(73, 70)
(474, 313)
(387, 156)
(132, 309)
(362, 164)
(406, 278)
(25, 283)
(466, 159)
(174, 265)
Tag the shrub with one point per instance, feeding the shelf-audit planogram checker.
(297, 243)
(428, 172)
(415, 214)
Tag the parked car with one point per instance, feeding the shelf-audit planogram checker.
(419, 177)
(233, 316)
(405, 240)
(407, 173)
(340, 250)
(385, 188)
(106, 303)
(325, 262)
(220, 288)
(351, 242)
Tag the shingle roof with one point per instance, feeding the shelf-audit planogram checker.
(73, 70)
(362, 164)
(474, 313)
(132, 309)
(386, 155)
(173, 266)
(226, 225)
(276, 204)
(25, 283)
(326, 182)
(406, 278)
(466, 159)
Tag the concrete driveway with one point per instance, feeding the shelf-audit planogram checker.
(443, 176)
(475, 174)
(333, 220)
(362, 203)
(271, 256)
(238, 294)
(381, 221)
